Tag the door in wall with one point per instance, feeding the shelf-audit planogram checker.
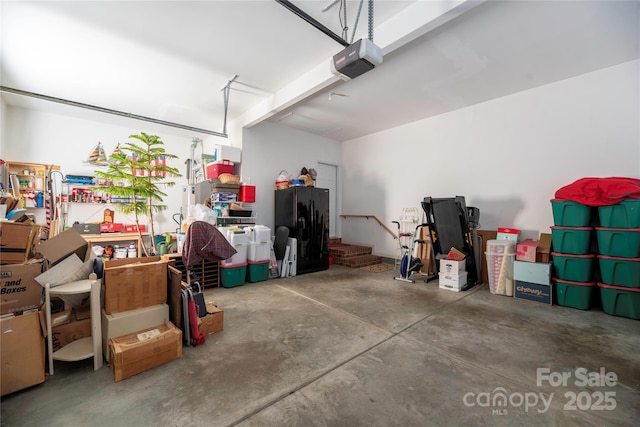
(328, 178)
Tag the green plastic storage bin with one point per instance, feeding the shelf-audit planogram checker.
(619, 301)
(257, 271)
(620, 242)
(625, 214)
(574, 294)
(618, 271)
(578, 268)
(232, 275)
(571, 240)
(567, 213)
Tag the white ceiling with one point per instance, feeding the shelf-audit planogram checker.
(169, 60)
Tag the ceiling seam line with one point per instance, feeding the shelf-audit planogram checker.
(110, 111)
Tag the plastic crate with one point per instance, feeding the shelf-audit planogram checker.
(618, 271)
(574, 294)
(571, 240)
(501, 247)
(619, 242)
(578, 268)
(233, 275)
(257, 271)
(500, 271)
(625, 214)
(619, 301)
(567, 213)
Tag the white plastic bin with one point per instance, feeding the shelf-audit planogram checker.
(259, 251)
(500, 247)
(237, 237)
(500, 272)
(260, 233)
(240, 257)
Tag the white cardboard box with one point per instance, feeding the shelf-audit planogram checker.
(448, 266)
(127, 322)
(452, 282)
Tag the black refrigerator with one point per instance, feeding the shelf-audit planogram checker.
(305, 212)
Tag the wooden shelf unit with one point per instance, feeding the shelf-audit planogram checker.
(206, 272)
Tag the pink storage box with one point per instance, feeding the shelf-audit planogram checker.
(526, 250)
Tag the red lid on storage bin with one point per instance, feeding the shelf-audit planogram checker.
(618, 229)
(509, 230)
(571, 228)
(618, 258)
(244, 264)
(573, 256)
(620, 288)
(571, 282)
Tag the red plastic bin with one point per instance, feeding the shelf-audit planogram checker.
(247, 193)
(214, 170)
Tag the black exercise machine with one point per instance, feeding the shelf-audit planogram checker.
(453, 225)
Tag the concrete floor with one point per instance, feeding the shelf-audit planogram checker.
(348, 347)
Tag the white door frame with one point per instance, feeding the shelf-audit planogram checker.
(335, 199)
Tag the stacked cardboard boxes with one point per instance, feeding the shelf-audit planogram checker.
(22, 347)
(533, 278)
(137, 333)
(453, 275)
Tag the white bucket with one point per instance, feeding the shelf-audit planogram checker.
(120, 253)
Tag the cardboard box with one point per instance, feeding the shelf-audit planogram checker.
(451, 267)
(452, 282)
(16, 241)
(127, 322)
(19, 290)
(213, 322)
(132, 283)
(63, 245)
(132, 228)
(543, 251)
(534, 292)
(111, 227)
(532, 272)
(138, 352)
(21, 352)
(70, 332)
(527, 250)
(508, 234)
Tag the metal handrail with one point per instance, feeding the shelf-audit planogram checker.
(374, 217)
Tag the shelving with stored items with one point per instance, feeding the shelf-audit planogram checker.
(27, 179)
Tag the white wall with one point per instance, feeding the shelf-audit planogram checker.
(67, 140)
(507, 156)
(270, 147)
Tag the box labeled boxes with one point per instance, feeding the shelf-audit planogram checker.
(21, 352)
(137, 352)
(19, 290)
(213, 322)
(452, 282)
(534, 292)
(132, 283)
